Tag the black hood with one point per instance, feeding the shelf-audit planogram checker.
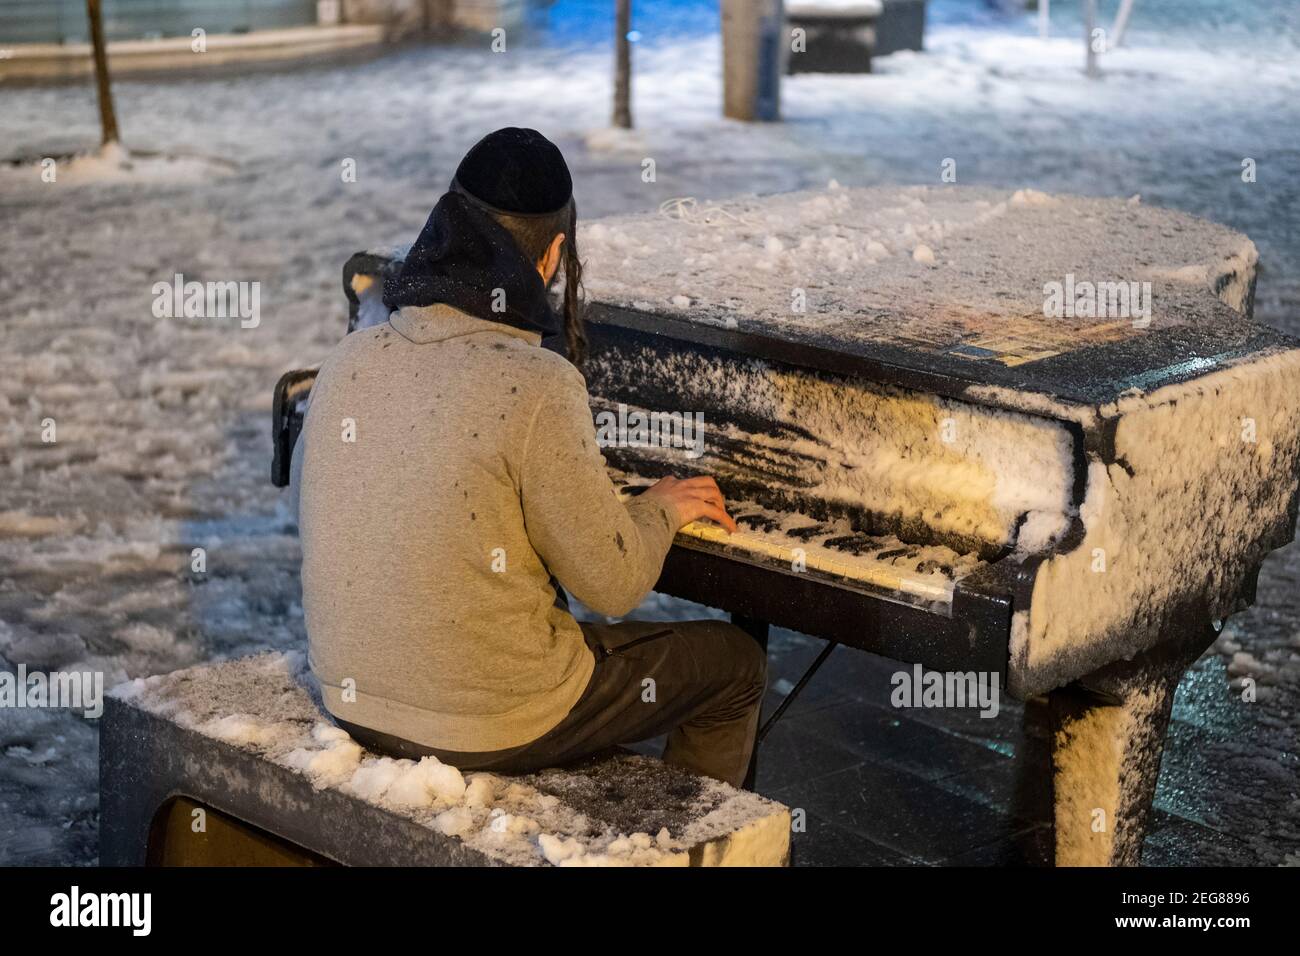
(461, 258)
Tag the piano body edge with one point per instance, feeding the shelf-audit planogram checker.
(1228, 441)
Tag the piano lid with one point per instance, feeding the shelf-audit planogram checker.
(964, 292)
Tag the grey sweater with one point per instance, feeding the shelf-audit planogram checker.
(447, 468)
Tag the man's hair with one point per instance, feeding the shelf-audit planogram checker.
(533, 235)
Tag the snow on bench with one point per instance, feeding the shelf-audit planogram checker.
(834, 9)
(249, 739)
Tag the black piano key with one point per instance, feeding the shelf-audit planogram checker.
(855, 544)
(757, 522)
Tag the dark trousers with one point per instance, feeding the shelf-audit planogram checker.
(699, 682)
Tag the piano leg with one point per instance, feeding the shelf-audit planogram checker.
(758, 631)
(1032, 796)
(1108, 736)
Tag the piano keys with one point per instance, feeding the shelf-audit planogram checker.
(922, 574)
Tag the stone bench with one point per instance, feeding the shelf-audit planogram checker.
(843, 36)
(838, 35)
(237, 763)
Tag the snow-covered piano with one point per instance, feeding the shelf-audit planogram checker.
(1007, 433)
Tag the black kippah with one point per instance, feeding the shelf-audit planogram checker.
(515, 171)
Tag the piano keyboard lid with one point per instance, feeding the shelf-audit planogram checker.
(963, 292)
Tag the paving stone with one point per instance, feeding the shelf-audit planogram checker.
(899, 811)
(825, 844)
(895, 739)
(1176, 841)
(790, 757)
(1029, 847)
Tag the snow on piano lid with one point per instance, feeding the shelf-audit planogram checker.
(944, 289)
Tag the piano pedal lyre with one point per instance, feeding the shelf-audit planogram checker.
(800, 684)
(758, 630)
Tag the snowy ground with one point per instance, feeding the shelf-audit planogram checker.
(161, 424)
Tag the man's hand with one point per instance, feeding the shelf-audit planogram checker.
(690, 499)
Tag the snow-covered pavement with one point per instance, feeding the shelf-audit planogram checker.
(161, 424)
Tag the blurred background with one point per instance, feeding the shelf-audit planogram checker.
(267, 140)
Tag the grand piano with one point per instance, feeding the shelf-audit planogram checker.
(1030, 437)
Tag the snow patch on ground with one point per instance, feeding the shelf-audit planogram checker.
(115, 164)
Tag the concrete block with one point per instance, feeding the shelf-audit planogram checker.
(249, 740)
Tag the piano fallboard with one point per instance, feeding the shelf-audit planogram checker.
(972, 637)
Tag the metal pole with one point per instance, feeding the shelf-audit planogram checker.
(1121, 22)
(794, 691)
(1090, 24)
(1044, 17)
(107, 115)
(622, 64)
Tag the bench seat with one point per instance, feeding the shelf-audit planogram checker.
(838, 35)
(244, 747)
(834, 9)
